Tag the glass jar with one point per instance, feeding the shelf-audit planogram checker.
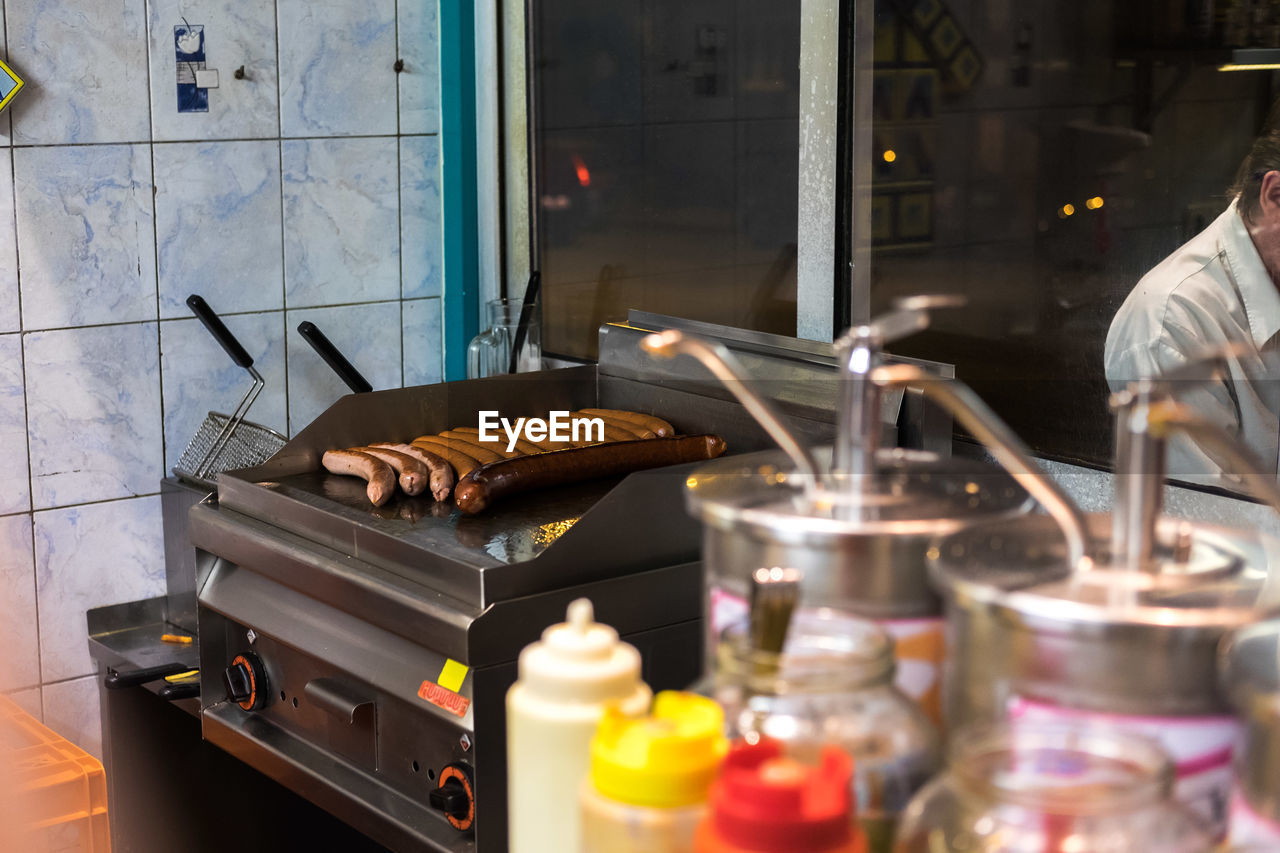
(489, 353)
(832, 685)
(1051, 789)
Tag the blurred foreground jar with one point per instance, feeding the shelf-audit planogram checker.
(832, 686)
(1249, 660)
(1051, 789)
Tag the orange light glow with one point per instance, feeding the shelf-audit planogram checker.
(584, 176)
(890, 155)
(1067, 210)
(1094, 203)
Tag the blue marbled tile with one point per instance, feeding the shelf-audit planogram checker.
(218, 225)
(73, 712)
(421, 239)
(10, 320)
(15, 483)
(29, 701)
(337, 67)
(85, 64)
(91, 556)
(368, 335)
(236, 33)
(422, 344)
(419, 31)
(20, 659)
(86, 557)
(197, 376)
(93, 413)
(341, 220)
(85, 235)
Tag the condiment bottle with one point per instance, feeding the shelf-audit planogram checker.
(650, 776)
(565, 681)
(765, 802)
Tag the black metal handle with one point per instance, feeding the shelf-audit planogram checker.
(182, 690)
(526, 312)
(332, 357)
(219, 330)
(117, 680)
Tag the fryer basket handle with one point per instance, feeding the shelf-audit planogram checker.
(219, 330)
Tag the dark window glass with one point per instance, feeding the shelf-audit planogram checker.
(1040, 157)
(666, 142)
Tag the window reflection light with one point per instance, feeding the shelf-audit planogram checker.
(890, 155)
(1256, 66)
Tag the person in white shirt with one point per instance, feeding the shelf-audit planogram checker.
(1219, 289)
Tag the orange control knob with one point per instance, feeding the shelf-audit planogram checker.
(455, 795)
(246, 681)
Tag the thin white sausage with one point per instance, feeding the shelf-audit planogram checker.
(413, 474)
(441, 470)
(381, 478)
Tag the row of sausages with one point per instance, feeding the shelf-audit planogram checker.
(485, 471)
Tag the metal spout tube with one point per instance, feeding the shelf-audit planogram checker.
(725, 367)
(858, 415)
(1139, 481)
(966, 407)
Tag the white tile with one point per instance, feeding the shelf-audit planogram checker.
(15, 483)
(93, 413)
(10, 320)
(85, 64)
(28, 700)
(85, 235)
(218, 225)
(5, 126)
(72, 709)
(421, 239)
(86, 557)
(337, 67)
(418, 27)
(236, 33)
(20, 659)
(341, 216)
(198, 377)
(422, 342)
(368, 335)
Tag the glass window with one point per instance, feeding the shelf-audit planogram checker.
(666, 144)
(1042, 158)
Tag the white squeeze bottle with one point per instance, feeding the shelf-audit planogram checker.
(564, 683)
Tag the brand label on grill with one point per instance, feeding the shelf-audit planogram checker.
(454, 703)
(560, 426)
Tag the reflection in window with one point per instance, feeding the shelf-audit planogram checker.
(1041, 157)
(667, 148)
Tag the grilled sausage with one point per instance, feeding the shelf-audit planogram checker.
(630, 428)
(547, 444)
(441, 471)
(488, 483)
(474, 433)
(480, 454)
(660, 428)
(468, 440)
(414, 476)
(381, 478)
(587, 433)
(461, 462)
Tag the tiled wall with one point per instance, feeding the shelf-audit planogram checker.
(309, 190)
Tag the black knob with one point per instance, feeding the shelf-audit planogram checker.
(455, 796)
(246, 682)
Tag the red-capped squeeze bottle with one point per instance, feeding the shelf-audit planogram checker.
(765, 802)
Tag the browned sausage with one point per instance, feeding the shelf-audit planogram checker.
(468, 440)
(588, 434)
(382, 480)
(545, 444)
(480, 454)
(488, 483)
(414, 476)
(441, 470)
(630, 428)
(521, 445)
(461, 462)
(660, 428)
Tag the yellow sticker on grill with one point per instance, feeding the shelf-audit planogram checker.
(452, 675)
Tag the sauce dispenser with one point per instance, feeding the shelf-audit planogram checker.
(1110, 620)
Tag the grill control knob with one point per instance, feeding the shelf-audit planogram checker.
(246, 681)
(454, 795)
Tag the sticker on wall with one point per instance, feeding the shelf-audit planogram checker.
(10, 83)
(195, 79)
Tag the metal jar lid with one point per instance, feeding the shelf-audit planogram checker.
(914, 493)
(1200, 580)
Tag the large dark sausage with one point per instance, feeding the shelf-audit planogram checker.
(488, 483)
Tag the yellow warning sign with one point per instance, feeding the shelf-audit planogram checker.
(452, 676)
